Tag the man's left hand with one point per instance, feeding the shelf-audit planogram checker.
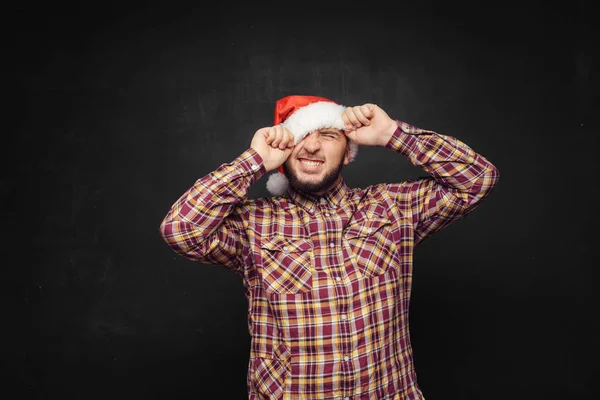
(368, 125)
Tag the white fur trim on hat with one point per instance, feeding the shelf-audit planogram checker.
(320, 114)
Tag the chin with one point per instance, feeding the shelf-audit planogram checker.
(310, 182)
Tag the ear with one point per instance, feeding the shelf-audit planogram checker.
(347, 152)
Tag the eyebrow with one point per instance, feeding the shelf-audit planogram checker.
(329, 130)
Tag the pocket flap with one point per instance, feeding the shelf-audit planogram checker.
(367, 227)
(278, 243)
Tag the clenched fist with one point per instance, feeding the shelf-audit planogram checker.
(274, 144)
(368, 125)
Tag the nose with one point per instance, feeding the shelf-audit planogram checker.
(311, 142)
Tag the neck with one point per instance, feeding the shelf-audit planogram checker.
(335, 183)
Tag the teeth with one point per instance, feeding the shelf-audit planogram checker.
(311, 163)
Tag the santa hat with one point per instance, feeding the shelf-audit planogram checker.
(302, 115)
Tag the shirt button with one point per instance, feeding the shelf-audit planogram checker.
(327, 214)
(337, 278)
(331, 244)
(344, 316)
(254, 167)
(323, 201)
(285, 248)
(370, 230)
(346, 358)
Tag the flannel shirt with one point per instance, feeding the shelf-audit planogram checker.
(328, 278)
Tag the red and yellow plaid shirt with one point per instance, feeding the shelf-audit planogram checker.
(328, 279)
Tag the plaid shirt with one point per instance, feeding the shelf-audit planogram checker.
(328, 278)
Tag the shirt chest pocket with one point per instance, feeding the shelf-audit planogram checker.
(372, 246)
(286, 265)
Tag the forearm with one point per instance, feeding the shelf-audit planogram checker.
(204, 207)
(450, 162)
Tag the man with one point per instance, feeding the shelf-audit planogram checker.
(327, 269)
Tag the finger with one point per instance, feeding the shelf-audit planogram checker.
(350, 134)
(368, 110)
(269, 135)
(278, 136)
(350, 113)
(358, 112)
(284, 138)
(348, 126)
(350, 122)
(292, 142)
(289, 139)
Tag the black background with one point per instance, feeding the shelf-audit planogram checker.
(121, 107)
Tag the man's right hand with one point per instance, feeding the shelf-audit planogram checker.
(274, 144)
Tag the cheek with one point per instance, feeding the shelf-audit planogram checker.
(337, 154)
(296, 150)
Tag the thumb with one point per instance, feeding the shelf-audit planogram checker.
(351, 134)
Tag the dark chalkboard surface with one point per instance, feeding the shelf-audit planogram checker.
(122, 108)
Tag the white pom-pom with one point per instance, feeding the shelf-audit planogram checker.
(277, 184)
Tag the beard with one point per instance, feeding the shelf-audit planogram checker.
(312, 187)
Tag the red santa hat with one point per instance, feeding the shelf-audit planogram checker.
(302, 115)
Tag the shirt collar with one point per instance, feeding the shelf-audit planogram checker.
(332, 198)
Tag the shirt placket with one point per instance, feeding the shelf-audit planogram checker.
(342, 298)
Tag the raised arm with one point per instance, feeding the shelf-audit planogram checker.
(460, 179)
(207, 223)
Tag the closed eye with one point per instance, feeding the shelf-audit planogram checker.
(330, 134)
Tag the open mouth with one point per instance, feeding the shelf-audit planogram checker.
(310, 163)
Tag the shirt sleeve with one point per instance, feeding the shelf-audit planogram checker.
(205, 224)
(460, 179)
